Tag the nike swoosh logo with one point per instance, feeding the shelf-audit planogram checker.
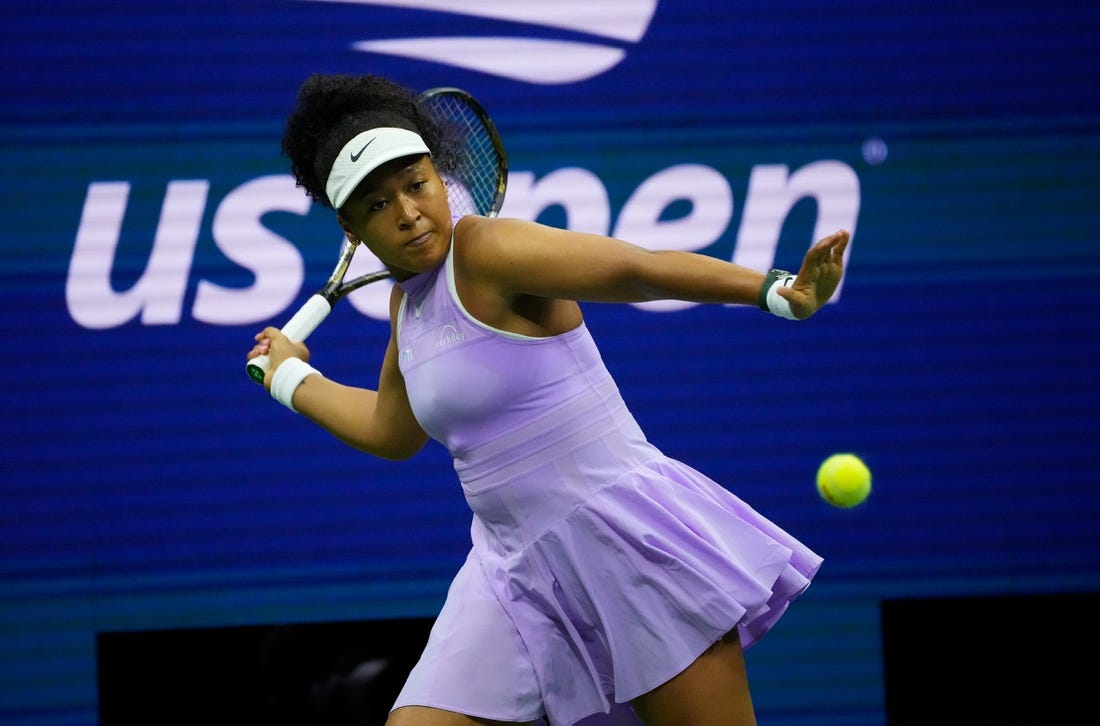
(355, 157)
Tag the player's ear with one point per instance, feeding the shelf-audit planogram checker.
(344, 225)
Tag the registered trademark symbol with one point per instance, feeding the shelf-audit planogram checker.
(874, 150)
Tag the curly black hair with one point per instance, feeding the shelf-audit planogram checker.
(332, 109)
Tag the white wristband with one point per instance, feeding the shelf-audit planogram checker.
(772, 302)
(287, 377)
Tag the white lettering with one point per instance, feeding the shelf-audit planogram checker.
(578, 191)
(158, 294)
(711, 201)
(279, 271)
(275, 262)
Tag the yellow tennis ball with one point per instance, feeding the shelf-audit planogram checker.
(843, 480)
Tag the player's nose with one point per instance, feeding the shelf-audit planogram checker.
(408, 212)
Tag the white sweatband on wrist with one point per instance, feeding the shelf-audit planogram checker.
(769, 294)
(286, 379)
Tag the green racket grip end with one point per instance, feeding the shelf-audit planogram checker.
(257, 368)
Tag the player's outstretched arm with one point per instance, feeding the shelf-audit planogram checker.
(519, 257)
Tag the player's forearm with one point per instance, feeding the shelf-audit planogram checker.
(699, 278)
(354, 416)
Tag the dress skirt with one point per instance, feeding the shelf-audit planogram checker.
(600, 569)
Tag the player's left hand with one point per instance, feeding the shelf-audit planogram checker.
(821, 270)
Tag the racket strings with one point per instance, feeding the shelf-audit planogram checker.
(473, 185)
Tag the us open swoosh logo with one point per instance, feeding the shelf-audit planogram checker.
(544, 61)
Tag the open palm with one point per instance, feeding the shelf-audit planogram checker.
(821, 270)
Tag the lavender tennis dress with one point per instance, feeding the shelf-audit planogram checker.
(600, 568)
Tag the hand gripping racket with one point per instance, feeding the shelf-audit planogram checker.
(475, 185)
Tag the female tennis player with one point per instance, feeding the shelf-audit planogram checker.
(602, 573)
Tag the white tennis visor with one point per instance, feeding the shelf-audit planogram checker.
(365, 153)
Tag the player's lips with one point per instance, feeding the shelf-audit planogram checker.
(418, 240)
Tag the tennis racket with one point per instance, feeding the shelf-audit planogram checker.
(475, 185)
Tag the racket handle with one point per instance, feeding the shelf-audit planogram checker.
(298, 328)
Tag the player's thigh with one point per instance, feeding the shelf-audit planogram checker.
(425, 716)
(712, 691)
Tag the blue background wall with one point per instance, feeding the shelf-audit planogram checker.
(147, 484)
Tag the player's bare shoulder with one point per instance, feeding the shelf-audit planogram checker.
(476, 228)
(480, 243)
(491, 257)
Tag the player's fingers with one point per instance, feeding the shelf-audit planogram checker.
(262, 346)
(839, 242)
(821, 252)
(833, 250)
(839, 237)
(822, 256)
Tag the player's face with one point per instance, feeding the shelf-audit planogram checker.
(400, 213)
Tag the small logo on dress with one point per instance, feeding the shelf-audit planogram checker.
(448, 335)
(406, 356)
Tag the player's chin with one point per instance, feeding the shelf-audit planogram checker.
(400, 273)
(414, 262)
(427, 252)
